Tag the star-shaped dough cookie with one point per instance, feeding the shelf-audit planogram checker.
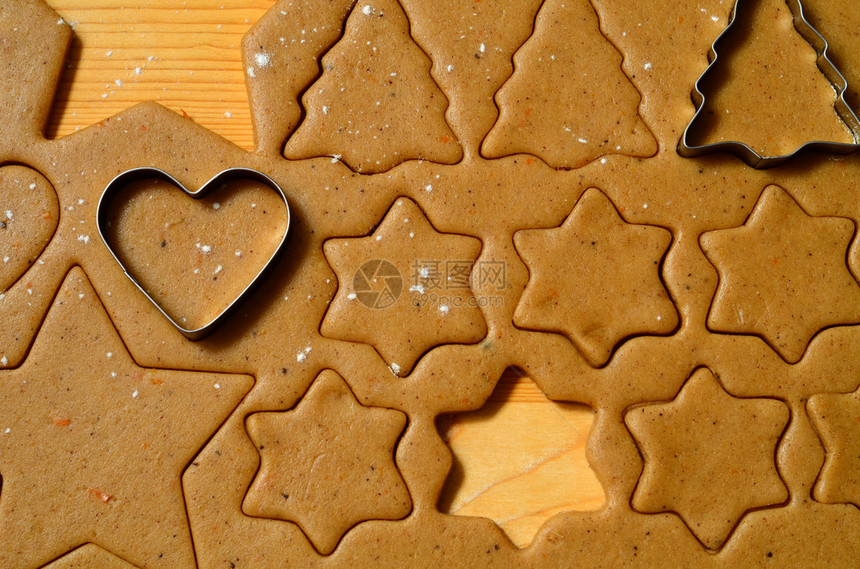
(93, 446)
(328, 464)
(783, 275)
(404, 289)
(89, 556)
(709, 456)
(595, 279)
(837, 419)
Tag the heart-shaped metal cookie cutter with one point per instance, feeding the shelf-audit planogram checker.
(745, 152)
(223, 176)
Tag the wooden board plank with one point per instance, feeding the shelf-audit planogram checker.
(184, 55)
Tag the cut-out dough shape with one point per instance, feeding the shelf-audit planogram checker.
(783, 275)
(90, 556)
(753, 99)
(328, 464)
(29, 214)
(568, 102)
(404, 289)
(709, 456)
(81, 410)
(595, 279)
(837, 419)
(375, 104)
(194, 257)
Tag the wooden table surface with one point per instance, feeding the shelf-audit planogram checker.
(186, 55)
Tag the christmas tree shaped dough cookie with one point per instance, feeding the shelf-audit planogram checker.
(568, 102)
(759, 91)
(375, 104)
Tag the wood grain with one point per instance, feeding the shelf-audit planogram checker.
(187, 57)
(519, 460)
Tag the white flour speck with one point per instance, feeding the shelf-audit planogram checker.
(262, 59)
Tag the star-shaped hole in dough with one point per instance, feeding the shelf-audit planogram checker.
(595, 279)
(709, 456)
(783, 275)
(94, 446)
(328, 464)
(404, 289)
(837, 419)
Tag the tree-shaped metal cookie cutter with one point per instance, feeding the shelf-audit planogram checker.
(745, 152)
(230, 173)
